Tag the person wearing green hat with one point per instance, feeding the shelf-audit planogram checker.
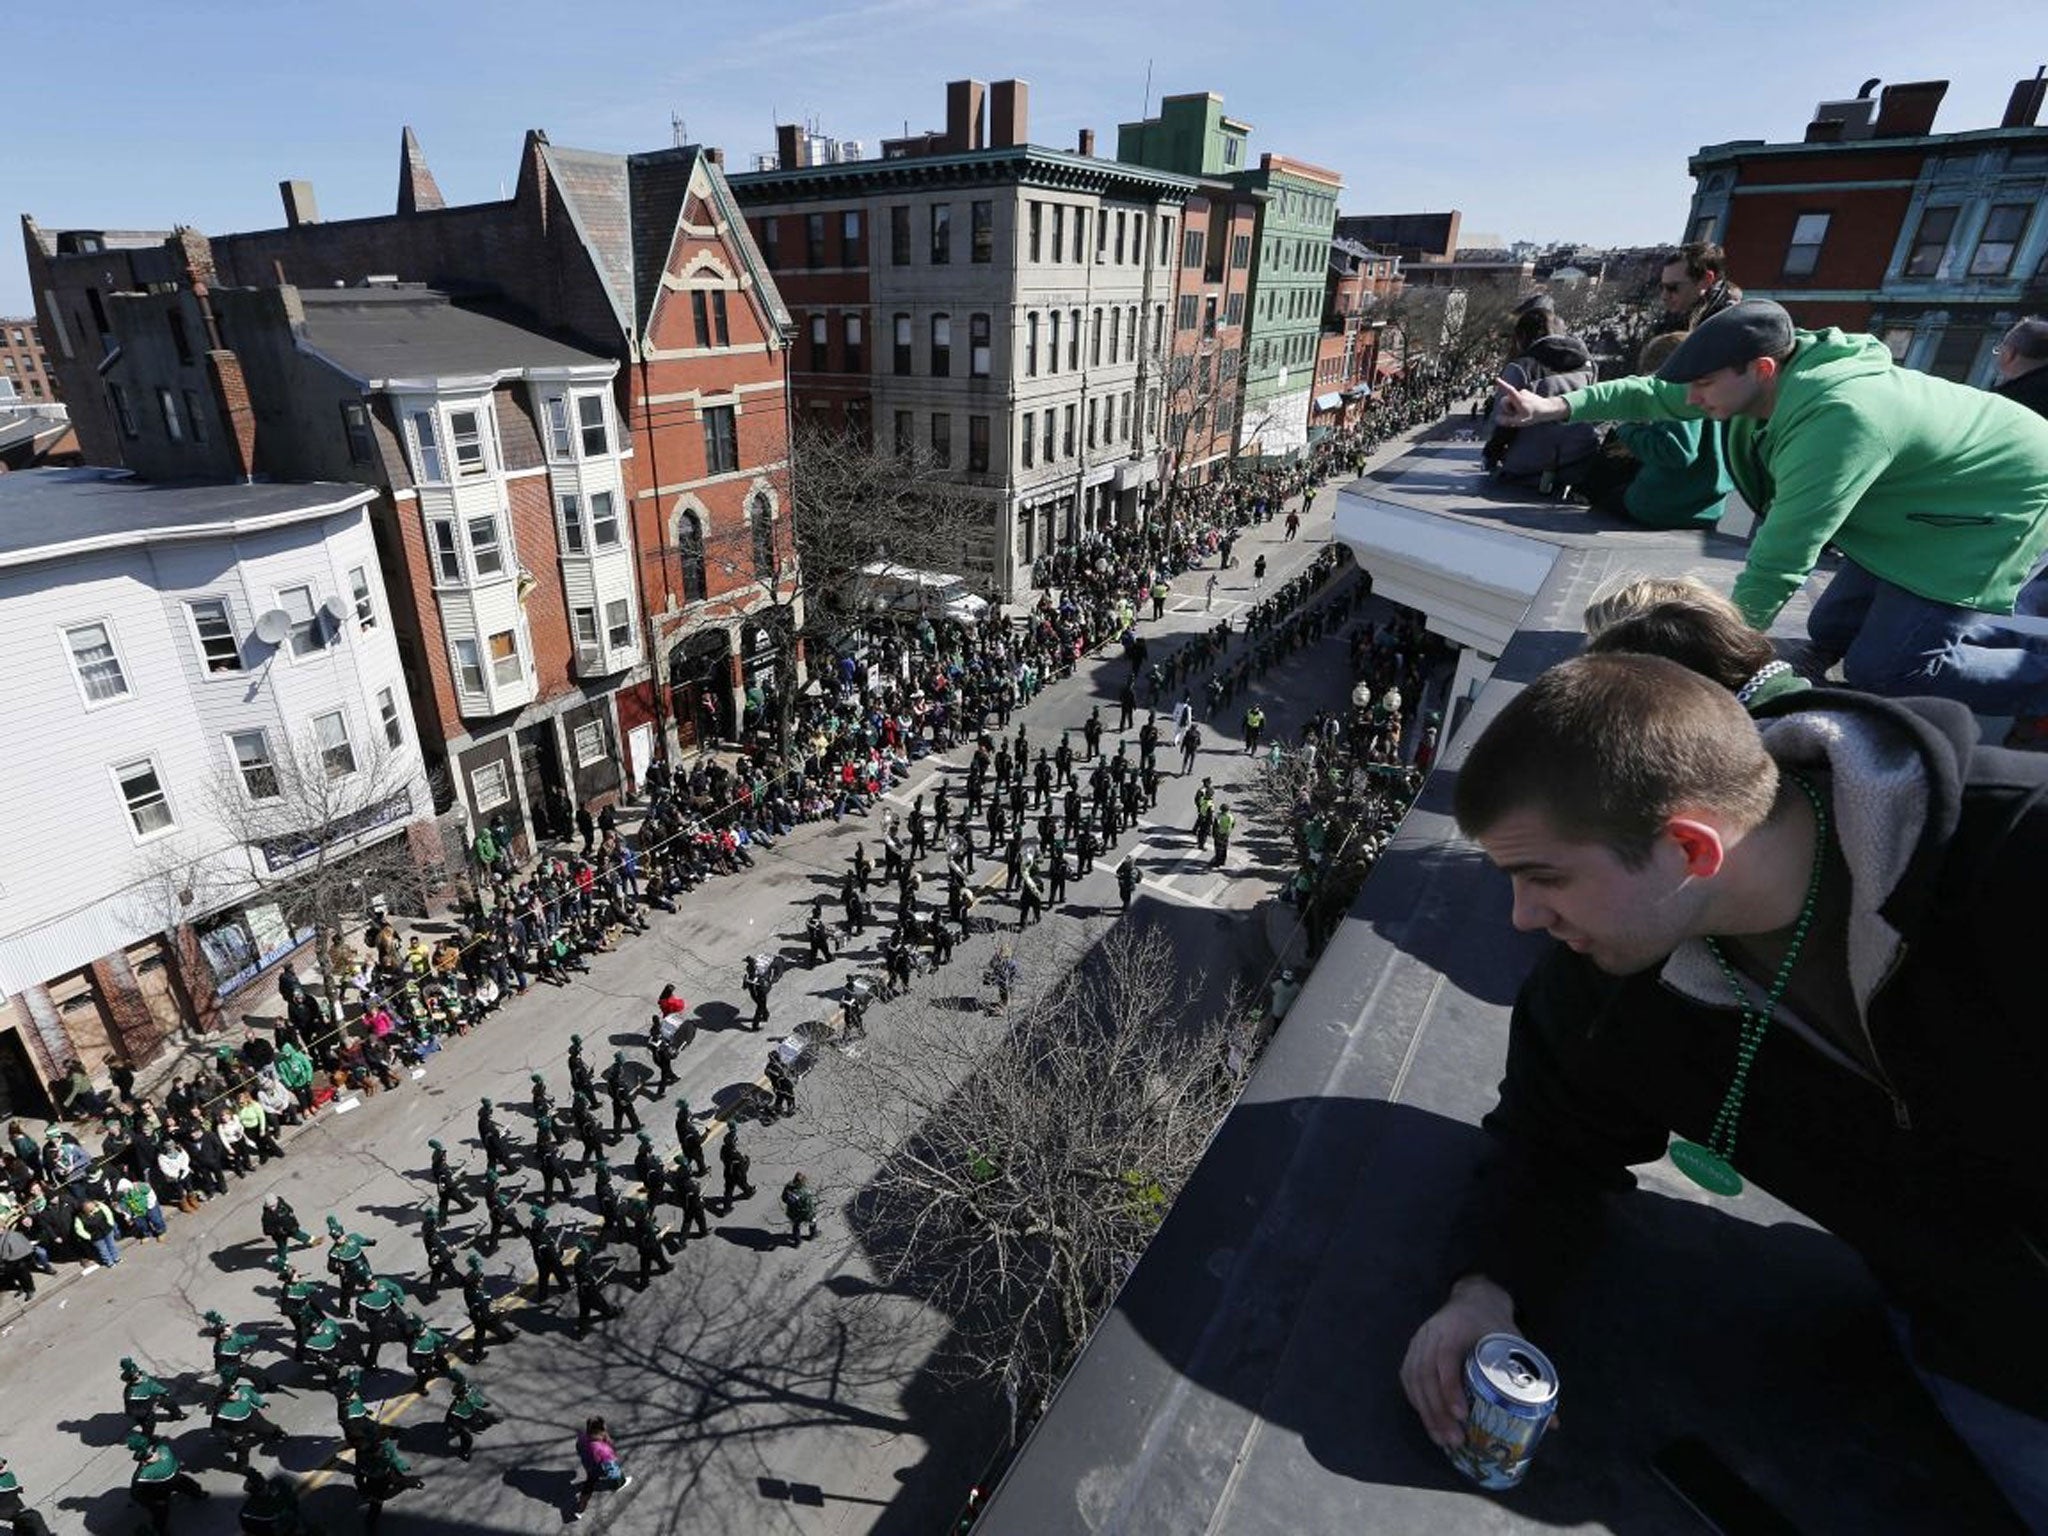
(470, 1413)
(158, 1477)
(580, 1079)
(347, 1261)
(270, 1505)
(380, 1476)
(503, 1205)
(621, 1084)
(497, 1150)
(426, 1351)
(232, 1349)
(441, 1270)
(484, 1322)
(547, 1252)
(381, 1311)
(543, 1101)
(238, 1421)
(144, 1397)
(448, 1188)
(14, 1506)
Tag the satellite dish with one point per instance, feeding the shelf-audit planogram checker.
(334, 610)
(273, 627)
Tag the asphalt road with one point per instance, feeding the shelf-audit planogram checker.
(759, 1388)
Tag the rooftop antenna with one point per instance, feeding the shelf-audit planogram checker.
(678, 130)
(1146, 110)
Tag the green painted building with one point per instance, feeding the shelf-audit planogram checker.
(1297, 219)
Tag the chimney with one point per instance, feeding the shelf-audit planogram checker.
(792, 146)
(1085, 144)
(299, 207)
(417, 190)
(1907, 111)
(1009, 114)
(715, 155)
(2023, 109)
(964, 129)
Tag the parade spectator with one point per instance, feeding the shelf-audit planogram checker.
(1694, 285)
(2023, 365)
(1549, 362)
(1661, 474)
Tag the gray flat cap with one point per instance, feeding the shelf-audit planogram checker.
(1734, 338)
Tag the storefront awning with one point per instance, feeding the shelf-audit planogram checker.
(1328, 402)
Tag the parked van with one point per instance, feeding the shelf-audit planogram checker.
(886, 587)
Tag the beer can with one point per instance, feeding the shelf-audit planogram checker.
(1510, 1395)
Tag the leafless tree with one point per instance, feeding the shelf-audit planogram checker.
(852, 505)
(1194, 388)
(1023, 1165)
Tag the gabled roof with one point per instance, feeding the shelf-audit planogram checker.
(595, 189)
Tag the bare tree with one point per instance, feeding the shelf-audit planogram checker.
(852, 505)
(1022, 1169)
(1193, 388)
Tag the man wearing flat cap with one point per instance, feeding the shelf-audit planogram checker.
(1937, 495)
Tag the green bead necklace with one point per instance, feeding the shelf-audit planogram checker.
(1710, 1166)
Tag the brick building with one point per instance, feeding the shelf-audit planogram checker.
(24, 370)
(1360, 280)
(636, 261)
(1874, 222)
(988, 304)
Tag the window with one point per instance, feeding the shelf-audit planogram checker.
(307, 636)
(977, 346)
(814, 240)
(337, 755)
(505, 668)
(1138, 246)
(771, 241)
(587, 743)
(574, 541)
(942, 233)
(355, 429)
(1092, 411)
(700, 321)
(123, 411)
(428, 447)
(942, 440)
(1809, 230)
(942, 346)
(486, 556)
(690, 553)
(821, 343)
(850, 252)
(1049, 439)
(1080, 234)
(899, 236)
(149, 809)
(1241, 252)
(2000, 242)
(359, 591)
(1031, 345)
(1120, 238)
(387, 712)
(1127, 416)
(1131, 336)
(1233, 310)
(219, 651)
(604, 520)
(1067, 432)
(761, 520)
(1165, 240)
(850, 357)
(597, 438)
(1052, 352)
(1074, 341)
(584, 622)
(490, 784)
(977, 445)
(721, 440)
(1187, 311)
(906, 435)
(466, 432)
(446, 560)
(253, 763)
(1095, 341)
(981, 231)
(1930, 242)
(1037, 227)
(99, 666)
(469, 667)
(1191, 249)
(1027, 444)
(1115, 315)
(1209, 317)
(618, 624)
(1059, 230)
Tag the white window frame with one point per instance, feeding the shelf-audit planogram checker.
(387, 713)
(360, 594)
(435, 527)
(329, 748)
(427, 460)
(496, 545)
(577, 739)
(264, 764)
(599, 520)
(583, 625)
(585, 426)
(561, 441)
(497, 663)
(575, 537)
(227, 618)
(490, 785)
(613, 610)
(106, 628)
(313, 626)
(136, 830)
(473, 664)
(479, 441)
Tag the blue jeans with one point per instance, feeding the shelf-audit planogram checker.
(108, 1250)
(2011, 1446)
(1892, 641)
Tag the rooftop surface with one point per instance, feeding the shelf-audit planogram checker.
(49, 514)
(407, 331)
(1245, 1383)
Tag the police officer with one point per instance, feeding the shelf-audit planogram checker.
(547, 1254)
(484, 1322)
(620, 1084)
(448, 1188)
(470, 1413)
(441, 1268)
(689, 1138)
(736, 1165)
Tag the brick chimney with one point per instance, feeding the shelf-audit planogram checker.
(964, 123)
(715, 155)
(792, 146)
(1085, 143)
(1009, 114)
(1907, 111)
(2023, 109)
(299, 207)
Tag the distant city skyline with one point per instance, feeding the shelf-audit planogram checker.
(1569, 125)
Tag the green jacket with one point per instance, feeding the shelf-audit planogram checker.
(1683, 481)
(1936, 488)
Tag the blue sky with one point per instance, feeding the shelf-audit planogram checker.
(1566, 122)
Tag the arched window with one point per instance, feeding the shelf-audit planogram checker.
(762, 516)
(690, 551)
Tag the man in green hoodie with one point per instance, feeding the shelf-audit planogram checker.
(1936, 494)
